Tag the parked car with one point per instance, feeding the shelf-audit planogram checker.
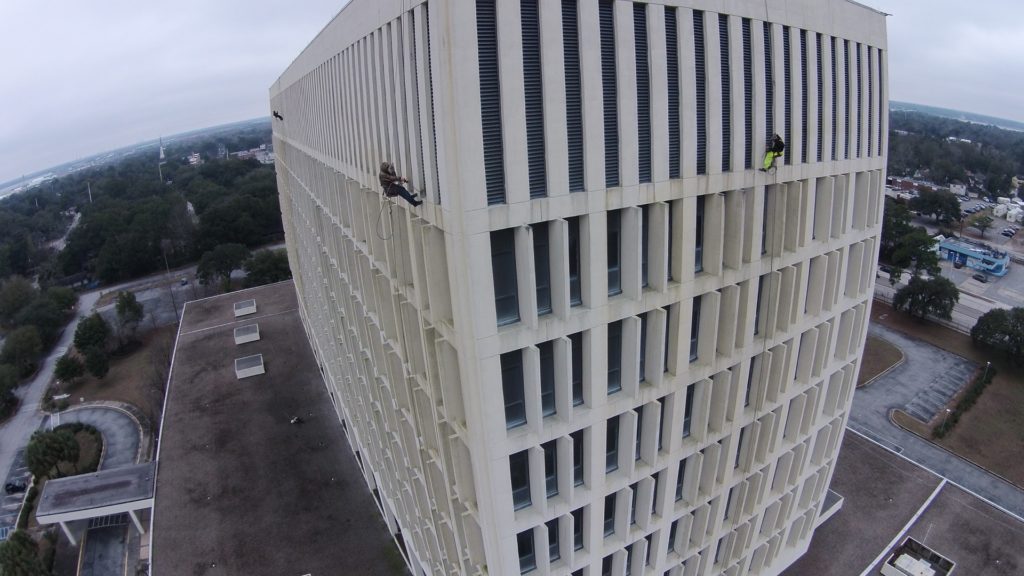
(980, 278)
(15, 487)
(958, 264)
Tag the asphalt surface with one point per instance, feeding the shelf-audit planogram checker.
(923, 377)
(104, 551)
(121, 434)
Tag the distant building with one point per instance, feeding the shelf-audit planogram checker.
(195, 159)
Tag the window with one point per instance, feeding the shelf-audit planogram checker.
(606, 565)
(635, 491)
(614, 252)
(728, 503)
(695, 329)
(769, 82)
(723, 46)
(846, 109)
(575, 290)
(542, 263)
(650, 546)
(519, 470)
(606, 18)
(654, 492)
(645, 223)
(860, 103)
(835, 102)
(534, 97)
(643, 91)
(803, 95)
(701, 91)
(672, 65)
(662, 407)
(573, 94)
(669, 239)
(614, 357)
(577, 529)
(757, 305)
(871, 99)
(611, 449)
(527, 557)
(609, 514)
(576, 341)
(554, 551)
(643, 347)
(577, 457)
(750, 382)
(764, 221)
(512, 388)
(698, 250)
(821, 99)
(680, 476)
(547, 377)
(629, 559)
(668, 331)
(748, 97)
(688, 410)
(550, 467)
(503, 264)
(787, 96)
(639, 432)
(672, 530)
(490, 100)
(739, 448)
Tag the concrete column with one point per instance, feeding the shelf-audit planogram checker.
(67, 532)
(135, 520)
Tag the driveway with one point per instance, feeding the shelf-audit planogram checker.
(121, 433)
(14, 433)
(923, 383)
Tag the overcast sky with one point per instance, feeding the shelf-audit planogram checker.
(85, 76)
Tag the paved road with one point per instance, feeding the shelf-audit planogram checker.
(121, 435)
(14, 433)
(923, 375)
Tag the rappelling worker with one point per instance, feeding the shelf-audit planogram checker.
(392, 184)
(775, 149)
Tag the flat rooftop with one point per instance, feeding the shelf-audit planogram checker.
(239, 489)
(887, 499)
(97, 490)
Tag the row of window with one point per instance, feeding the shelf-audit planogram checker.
(503, 260)
(858, 89)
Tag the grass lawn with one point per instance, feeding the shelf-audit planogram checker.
(991, 433)
(879, 356)
(137, 378)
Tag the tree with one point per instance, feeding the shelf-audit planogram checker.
(66, 445)
(69, 368)
(221, 262)
(8, 382)
(1001, 329)
(15, 294)
(943, 205)
(980, 222)
(267, 267)
(97, 361)
(19, 556)
(63, 298)
(927, 297)
(44, 315)
(895, 225)
(916, 250)
(42, 453)
(22, 349)
(92, 332)
(129, 314)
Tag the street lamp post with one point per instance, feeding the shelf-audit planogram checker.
(987, 366)
(945, 416)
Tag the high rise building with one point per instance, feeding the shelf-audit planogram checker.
(607, 343)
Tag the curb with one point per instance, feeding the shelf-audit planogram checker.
(897, 364)
(947, 450)
(132, 412)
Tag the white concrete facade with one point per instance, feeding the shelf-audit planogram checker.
(480, 418)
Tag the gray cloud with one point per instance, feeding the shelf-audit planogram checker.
(960, 55)
(81, 77)
(84, 77)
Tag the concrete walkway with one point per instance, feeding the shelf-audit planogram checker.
(920, 382)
